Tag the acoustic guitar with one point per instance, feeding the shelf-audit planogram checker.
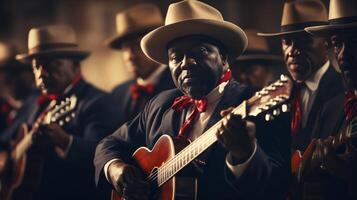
(301, 164)
(167, 158)
(17, 160)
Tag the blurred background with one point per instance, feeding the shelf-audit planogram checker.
(94, 22)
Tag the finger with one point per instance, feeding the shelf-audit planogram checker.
(226, 111)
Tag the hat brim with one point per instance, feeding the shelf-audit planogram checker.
(260, 57)
(116, 42)
(280, 34)
(154, 44)
(327, 30)
(76, 54)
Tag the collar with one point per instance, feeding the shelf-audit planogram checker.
(313, 82)
(216, 93)
(153, 78)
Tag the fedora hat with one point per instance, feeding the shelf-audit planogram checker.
(7, 58)
(299, 14)
(134, 21)
(53, 40)
(189, 17)
(257, 50)
(342, 15)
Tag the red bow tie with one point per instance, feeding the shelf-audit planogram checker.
(296, 121)
(138, 91)
(199, 106)
(350, 105)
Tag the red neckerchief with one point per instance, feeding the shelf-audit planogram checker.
(350, 105)
(137, 91)
(42, 99)
(200, 106)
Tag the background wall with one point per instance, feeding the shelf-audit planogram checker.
(94, 22)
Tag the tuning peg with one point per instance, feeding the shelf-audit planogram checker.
(73, 115)
(276, 112)
(62, 102)
(285, 108)
(67, 119)
(283, 78)
(53, 119)
(60, 123)
(67, 99)
(57, 115)
(269, 117)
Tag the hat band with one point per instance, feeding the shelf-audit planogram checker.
(343, 20)
(300, 26)
(56, 46)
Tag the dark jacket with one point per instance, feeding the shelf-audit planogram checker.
(330, 86)
(266, 176)
(72, 177)
(130, 108)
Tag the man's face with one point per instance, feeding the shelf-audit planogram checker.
(255, 74)
(345, 49)
(303, 55)
(196, 65)
(136, 61)
(53, 75)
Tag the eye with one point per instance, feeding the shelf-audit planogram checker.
(203, 50)
(337, 45)
(286, 41)
(174, 57)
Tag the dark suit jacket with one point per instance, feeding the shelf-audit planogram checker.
(122, 96)
(266, 176)
(72, 177)
(330, 86)
(329, 123)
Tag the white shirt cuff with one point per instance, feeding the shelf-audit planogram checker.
(63, 154)
(239, 169)
(106, 166)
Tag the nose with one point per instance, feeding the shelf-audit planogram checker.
(187, 62)
(294, 50)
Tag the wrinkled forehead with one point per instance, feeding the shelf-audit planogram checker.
(191, 41)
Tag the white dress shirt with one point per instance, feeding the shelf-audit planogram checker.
(308, 93)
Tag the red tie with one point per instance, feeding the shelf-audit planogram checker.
(138, 91)
(182, 102)
(296, 111)
(199, 106)
(350, 105)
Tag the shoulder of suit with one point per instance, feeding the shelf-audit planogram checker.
(123, 87)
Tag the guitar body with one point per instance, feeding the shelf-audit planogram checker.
(15, 174)
(149, 160)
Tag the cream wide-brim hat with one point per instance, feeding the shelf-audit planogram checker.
(52, 41)
(187, 18)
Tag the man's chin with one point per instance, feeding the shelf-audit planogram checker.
(196, 93)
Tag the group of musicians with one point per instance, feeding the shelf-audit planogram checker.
(190, 72)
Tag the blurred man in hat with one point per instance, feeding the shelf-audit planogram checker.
(335, 155)
(16, 84)
(149, 77)
(306, 59)
(257, 66)
(197, 44)
(67, 146)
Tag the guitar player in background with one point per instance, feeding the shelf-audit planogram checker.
(252, 161)
(67, 150)
(316, 81)
(333, 162)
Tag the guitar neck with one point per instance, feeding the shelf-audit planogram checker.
(193, 150)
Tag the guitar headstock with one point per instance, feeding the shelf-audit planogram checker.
(61, 112)
(271, 98)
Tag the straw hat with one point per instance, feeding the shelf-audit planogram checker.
(7, 58)
(257, 50)
(134, 21)
(342, 15)
(193, 18)
(54, 40)
(299, 14)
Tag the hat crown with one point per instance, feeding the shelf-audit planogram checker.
(191, 9)
(137, 17)
(342, 8)
(256, 43)
(53, 34)
(303, 11)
